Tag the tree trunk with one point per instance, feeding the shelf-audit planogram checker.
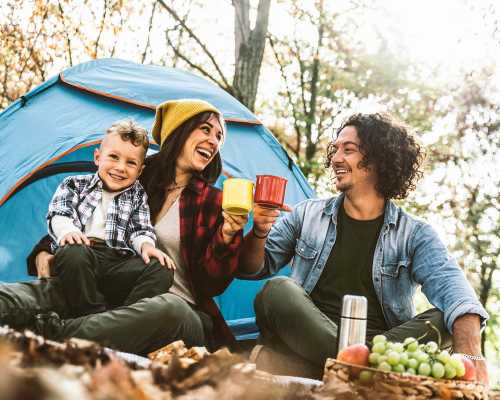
(249, 49)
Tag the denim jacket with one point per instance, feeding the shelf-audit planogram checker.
(408, 253)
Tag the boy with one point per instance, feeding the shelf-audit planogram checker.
(100, 224)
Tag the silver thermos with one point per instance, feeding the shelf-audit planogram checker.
(352, 321)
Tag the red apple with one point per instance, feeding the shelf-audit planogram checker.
(470, 370)
(354, 354)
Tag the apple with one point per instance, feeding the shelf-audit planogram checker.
(354, 354)
(470, 370)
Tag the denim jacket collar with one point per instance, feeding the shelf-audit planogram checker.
(333, 205)
(391, 213)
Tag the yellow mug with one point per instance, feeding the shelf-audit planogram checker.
(237, 196)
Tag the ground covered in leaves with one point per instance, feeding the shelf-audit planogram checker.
(35, 368)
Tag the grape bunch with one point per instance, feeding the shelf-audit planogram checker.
(413, 358)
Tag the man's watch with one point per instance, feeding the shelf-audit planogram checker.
(471, 357)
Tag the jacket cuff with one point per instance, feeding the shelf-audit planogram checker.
(221, 249)
(465, 308)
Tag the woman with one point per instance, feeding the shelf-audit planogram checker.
(190, 226)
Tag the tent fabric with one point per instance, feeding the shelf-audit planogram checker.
(52, 131)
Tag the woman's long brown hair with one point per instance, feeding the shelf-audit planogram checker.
(159, 170)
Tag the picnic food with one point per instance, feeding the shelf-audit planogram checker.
(355, 354)
(470, 369)
(418, 359)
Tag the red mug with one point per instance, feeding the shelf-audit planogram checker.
(270, 191)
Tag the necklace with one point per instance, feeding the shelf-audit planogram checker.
(171, 189)
(170, 199)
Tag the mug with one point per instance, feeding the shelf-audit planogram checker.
(237, 196)
(270, 191)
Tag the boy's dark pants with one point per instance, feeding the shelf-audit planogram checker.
(138, 324)
(95, 278)
(290, 322)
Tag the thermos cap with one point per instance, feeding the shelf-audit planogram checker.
(354, 307)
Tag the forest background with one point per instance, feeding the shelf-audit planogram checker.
(302, 66)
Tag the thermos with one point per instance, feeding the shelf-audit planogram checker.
(352, 321)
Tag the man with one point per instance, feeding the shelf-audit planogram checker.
(358, 243)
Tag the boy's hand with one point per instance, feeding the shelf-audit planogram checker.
(43, 261)
(74, 238)
(232, 225)
(148, 251)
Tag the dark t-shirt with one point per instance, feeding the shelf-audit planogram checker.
(349, 270)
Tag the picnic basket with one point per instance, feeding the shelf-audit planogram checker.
(391, 385)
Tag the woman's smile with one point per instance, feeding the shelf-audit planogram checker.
(201, 146)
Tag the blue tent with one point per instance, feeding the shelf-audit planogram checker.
(53, 130)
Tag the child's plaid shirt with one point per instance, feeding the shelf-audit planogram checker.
(127, 216)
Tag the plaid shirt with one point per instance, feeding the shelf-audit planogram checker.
(127, 217)
(210, 262)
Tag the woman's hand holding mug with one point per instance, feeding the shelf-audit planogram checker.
(232, 225)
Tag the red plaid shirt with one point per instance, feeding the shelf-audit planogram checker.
(210, 262)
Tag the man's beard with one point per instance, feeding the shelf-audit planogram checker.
(342, 187)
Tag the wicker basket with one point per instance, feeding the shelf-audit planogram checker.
(391, 385)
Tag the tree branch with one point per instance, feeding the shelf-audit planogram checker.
(32, 47)
(242, 28)
(194, 66)
(289, 96)
(101, 28)
(296, 52)
(311, 116)
(68, 40)
(144, 54)
(200, 43)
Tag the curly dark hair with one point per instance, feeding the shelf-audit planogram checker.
(387, 146)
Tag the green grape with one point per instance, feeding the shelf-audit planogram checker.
(399, 347)
(379, 339)
(459, 366)
(460, 370)
(412, 363)
(378, 348)
(444, 357)
(409, 340)
(438, 370)
(373, 358)
(382, 358)
(411, 344)
(365, 376)
(399, 368)
(424, 369)
(411, 371)
(384, 367)
(393, 357)
(431, 347)
(455, 361)
(421, 357)
(403, 359)
(449, 371)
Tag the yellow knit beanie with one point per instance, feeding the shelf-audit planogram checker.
(172, 113)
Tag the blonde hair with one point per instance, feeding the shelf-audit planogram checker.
(130, 131)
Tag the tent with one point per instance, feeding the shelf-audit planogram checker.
(52, 131)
